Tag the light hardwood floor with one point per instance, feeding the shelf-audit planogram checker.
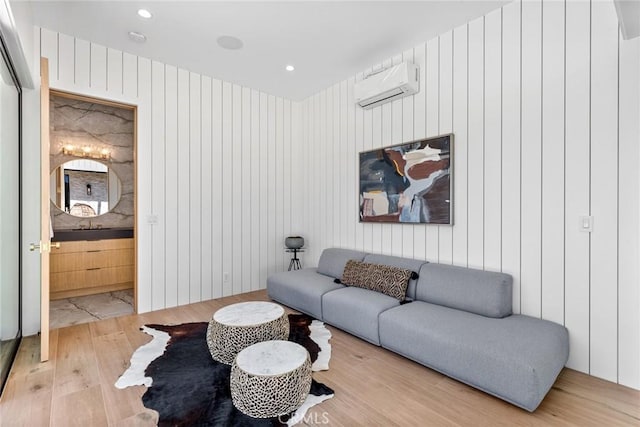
(373, 386)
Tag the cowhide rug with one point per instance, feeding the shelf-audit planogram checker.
(187, 387)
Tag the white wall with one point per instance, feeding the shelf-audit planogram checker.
(542, 99)
(30, 175)
(214, 166)
(23, 19)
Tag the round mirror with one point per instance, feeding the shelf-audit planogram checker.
(84, 188)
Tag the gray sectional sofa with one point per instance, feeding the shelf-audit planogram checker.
(459, 322)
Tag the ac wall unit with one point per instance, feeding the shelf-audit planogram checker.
(384, 86)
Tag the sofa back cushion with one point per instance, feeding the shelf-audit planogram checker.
(333, 260)
(394, 261)
(477, 291)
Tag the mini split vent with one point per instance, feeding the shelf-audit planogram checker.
(384, 86)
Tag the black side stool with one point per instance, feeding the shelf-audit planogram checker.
(294, 264)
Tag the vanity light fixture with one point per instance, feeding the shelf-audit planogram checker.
(144, 13)
(87, 152)
(289, 68)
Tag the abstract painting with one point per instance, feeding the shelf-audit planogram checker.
(408, 183)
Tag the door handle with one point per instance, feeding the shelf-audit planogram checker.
(44, 247)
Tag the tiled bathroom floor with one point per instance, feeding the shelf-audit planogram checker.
(73, 311)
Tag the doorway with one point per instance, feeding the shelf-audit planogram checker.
(92, 195)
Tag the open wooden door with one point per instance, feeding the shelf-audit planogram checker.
(45, 219)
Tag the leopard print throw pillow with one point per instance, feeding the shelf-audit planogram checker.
(392, 281)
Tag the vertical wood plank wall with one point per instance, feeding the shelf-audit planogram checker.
(542, 98)
(216, 168)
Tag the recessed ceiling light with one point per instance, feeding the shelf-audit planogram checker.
(229, 42)
(144, 13)
(137, 37)
(289, 68)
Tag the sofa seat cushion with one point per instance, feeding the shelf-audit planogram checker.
(482, 292)
(356, 311)
(516, 358)
(333, 260)
(406, 263)
(301, 289)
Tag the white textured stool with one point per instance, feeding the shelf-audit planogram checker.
(270, 378)
(237, 326)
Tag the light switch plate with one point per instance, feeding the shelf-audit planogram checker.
(586, 223)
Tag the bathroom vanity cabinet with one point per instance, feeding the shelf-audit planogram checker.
(87, 267)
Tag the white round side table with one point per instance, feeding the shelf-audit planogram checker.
(237, 326)
(270, 378)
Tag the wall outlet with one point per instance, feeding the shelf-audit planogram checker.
(225, 277)
(152, 219)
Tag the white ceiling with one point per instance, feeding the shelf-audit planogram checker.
(327, 42)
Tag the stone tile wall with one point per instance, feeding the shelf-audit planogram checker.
(85, 124)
